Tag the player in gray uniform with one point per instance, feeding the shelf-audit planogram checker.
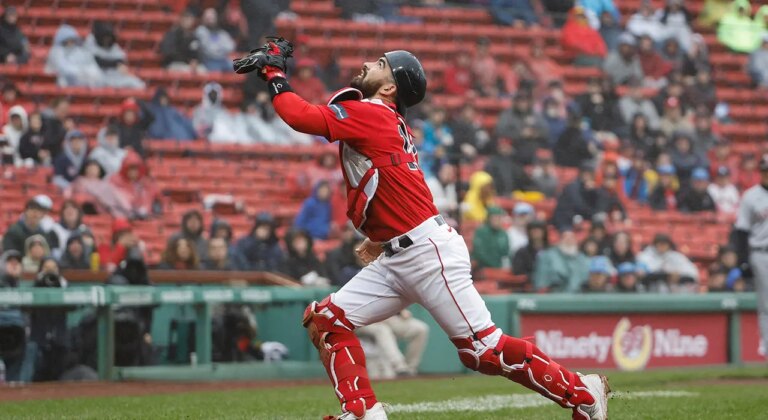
(751, 231)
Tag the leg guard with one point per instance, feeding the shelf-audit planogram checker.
(341, 354)
(493, 353)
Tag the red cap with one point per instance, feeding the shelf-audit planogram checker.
(121, 225)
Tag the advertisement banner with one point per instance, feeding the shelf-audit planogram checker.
(630, 342)
(750, 338)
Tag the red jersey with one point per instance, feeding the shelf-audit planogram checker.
(398, 198)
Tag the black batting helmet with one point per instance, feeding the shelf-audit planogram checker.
(410, 79)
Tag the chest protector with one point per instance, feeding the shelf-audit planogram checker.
(360, 171)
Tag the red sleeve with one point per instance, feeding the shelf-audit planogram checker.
(300, 114)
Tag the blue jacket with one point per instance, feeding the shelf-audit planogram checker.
(315, 215)
(260, 255)
(169, 123)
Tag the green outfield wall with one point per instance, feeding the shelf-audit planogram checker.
(614, 331)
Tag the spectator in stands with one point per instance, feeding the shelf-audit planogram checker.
(13, 130)
(260, 250)
(490, 246)
(724, 193)
(704, 139)
(589, 247)
(636, 178)
(123, 241)
(664, 194)
(10, 96)
(696, 198)
(702, 92)
(621, 249)
(135, 118)
(576, 146)
(624, 64)
(437, 137)
(108, 153)
(512, 120)
(32, 145)
(443, 189)
(342, 263)
(70, 223)
(748, 173)
(555, 116)
(674, 120)
(29, 224)
(561, 268)
(457, 76)
(218, 258)
(14, 46)
(192, 230)
(758, 64)
(67, 166)
(56, 122)
(134, 184)
(654, 67)
(74, 256)
(180, 254)
(486, 70)
(507, 172)
(676, 21)
(725, 274)
(10, 269)
(543, 68)
(697, 57)
(600, 273)
(480, 195)
(610, 30)
(580, 41)
(721, 156)
(306, 83)
(667, 270)
(92, 190)
(645, 22)
(598, 107)
(513, 13)
(169, 123)
(641, 136)
(684, 158)
(314, 217)
(215, 42)
(208, 110)
(71, 62)
(628, 281)
(580, 200)
(102, 44)
(36, 248)
(538, 241)
(220, 228)
(469, 136)
(635, 104)
(522, 215)
(737, 30)
(302, 263)
(544, 176)
(180, 47)
(599, 233)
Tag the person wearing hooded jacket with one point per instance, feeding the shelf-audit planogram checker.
(209, 109)
(301, 263)
(108, 153)
(71, 62)
(67, 166)
(192, 230)
(315, 214)
(14, 130)
(70, 224)
(479, 197)
(102, 43)
(215, 42)
(220, 228)
(74, 256)
(135, 118)
(36, 249)
(737, 30)
(260, 250)
(169, 123)
(134, 184)
(14, 46)
(10, 268)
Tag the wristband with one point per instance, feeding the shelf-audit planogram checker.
(278, 85)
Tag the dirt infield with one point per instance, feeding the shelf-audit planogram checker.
(64, 390)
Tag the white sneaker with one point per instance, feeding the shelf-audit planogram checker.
(374, 413)
(598, 387)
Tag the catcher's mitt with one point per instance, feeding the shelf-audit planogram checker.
(274, 53)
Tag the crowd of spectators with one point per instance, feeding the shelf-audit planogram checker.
(647, 131)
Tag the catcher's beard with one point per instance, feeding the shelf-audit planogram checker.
(366, 86)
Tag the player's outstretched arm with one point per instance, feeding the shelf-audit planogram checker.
(270, 62)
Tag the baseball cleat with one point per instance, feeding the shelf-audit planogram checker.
(597, 385)
(374, 413)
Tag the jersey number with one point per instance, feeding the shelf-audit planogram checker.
(408, 146)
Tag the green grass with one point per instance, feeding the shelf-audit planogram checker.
(717, 393)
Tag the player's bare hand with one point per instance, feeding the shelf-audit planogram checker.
(368, 251)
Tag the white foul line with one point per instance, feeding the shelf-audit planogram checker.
(515, 401)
